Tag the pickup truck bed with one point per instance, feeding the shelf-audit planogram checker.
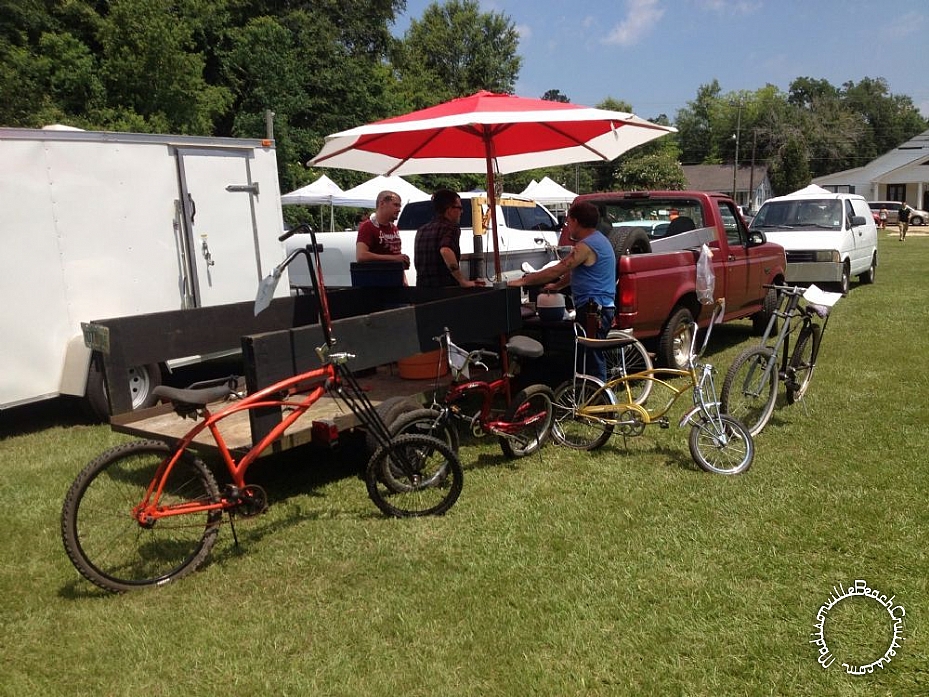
(656, 291)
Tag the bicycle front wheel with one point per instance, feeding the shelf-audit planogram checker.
(572, 429)
(802, 362)
(750, 388)
(721, 447)
(414, 475)
(530, 415)
(108, 544)
(625, 360)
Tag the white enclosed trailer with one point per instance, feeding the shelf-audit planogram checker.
(96, 225)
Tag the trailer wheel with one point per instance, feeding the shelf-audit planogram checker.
(142, 382)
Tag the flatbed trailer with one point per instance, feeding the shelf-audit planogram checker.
(378, 325)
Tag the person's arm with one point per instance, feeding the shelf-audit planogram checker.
(451, 263)
(559, 275)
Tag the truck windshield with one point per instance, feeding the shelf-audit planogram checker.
(822, 214)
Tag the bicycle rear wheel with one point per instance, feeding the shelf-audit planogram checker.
(414, 475)
(723, 447)
(750, 388)
(628, 359)
(532, 410)
(802, 362)
(570, 428)
(106, 542)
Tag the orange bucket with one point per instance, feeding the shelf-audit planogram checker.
(423, 366)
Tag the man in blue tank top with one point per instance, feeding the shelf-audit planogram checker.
(590, 270)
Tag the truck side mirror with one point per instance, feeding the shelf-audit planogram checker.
(756, 237)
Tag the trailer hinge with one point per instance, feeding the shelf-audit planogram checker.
(249, 188)
(96, 337)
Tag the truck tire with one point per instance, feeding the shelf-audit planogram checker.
(143, 380)
(761, 318)
(633, 240)
(674, 342)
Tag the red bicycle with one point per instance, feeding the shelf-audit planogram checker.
(147, 512)
(522, 426)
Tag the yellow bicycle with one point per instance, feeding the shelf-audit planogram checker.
(588, 412)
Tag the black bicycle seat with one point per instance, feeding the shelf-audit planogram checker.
(525, 346)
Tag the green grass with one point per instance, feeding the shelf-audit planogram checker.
(623, 571)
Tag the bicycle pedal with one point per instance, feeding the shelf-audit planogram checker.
(664, 423)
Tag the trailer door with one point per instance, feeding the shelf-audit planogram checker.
(218, 199)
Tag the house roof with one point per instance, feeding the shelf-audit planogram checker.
(880, 170)
(719, 177)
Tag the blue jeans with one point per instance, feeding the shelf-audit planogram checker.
(592, 361)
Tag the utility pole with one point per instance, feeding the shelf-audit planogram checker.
(735, 163)
(751, 176)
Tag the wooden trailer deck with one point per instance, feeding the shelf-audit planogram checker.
(162, 423)
(378, 325)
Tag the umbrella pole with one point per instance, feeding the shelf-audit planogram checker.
(492, 202)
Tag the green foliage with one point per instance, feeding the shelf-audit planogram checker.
(655, 171)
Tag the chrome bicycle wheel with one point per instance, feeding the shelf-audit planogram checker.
(628, 359)
(721, 447)
(529, 417)
(750, 388)
(571, 429)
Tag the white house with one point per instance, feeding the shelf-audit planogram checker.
(899, 175)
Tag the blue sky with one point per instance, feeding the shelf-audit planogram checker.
(655, 54)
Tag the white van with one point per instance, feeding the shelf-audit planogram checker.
(828, 237)
(527, 232)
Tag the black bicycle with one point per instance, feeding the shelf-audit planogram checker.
(750, 389)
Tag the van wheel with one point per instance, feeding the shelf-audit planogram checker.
(674, 342)
(868, 276)
(844, 285)
(632, 240)
(143, 380)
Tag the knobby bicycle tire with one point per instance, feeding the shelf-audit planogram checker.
(414, 475)
(532, 407)
(428, 422)
(628, 359)
(724, 447)
(802, 362)
(750, 389)
(570, 428)
(109, 546)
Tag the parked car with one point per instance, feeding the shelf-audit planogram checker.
(917, 216)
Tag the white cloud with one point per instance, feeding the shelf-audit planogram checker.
(641, 19)
(524, 31)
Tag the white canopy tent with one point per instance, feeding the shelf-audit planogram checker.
(549, 193)
(317, 193)
(365, 195)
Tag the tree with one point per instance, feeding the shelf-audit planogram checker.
(456, 50)
(555, 96)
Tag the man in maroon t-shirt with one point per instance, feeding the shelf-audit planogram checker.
(378, 238)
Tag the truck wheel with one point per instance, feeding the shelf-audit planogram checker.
(633, 240)
(761, 318)
(868, 276)
(143, 380)
(674, 342)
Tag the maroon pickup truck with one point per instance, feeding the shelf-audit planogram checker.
(657, 236)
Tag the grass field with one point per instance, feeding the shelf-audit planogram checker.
(623, 571)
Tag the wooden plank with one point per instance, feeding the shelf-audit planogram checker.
(161, 423)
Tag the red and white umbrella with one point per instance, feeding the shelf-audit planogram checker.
(487, 132)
